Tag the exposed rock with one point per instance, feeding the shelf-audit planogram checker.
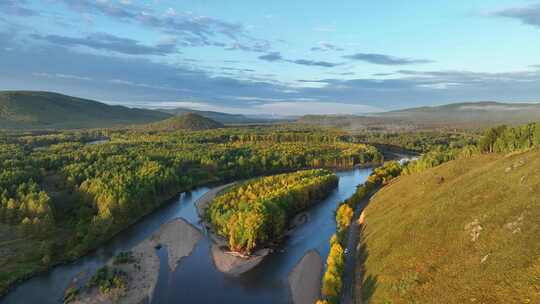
(520, 163)
(305, 279)
(474, 229)
(484, 259)
(515, 226)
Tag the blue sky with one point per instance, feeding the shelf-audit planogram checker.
(281, 57)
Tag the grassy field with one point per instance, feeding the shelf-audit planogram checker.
(465, 232)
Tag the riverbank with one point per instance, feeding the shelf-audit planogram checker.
(202, 203)
(354, 250)
(63, 235)
(141, 272)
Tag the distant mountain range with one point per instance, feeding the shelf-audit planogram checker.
(457, 115)
(486, 112)
(46, 110)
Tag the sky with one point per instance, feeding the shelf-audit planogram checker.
(274, 57)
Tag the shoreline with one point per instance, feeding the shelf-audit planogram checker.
(225, 261)
(202, 203)
(142, 274)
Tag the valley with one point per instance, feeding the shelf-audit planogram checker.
(191, 202)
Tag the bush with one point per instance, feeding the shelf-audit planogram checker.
(125, 257)
(107, 280)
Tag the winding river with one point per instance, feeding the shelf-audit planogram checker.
(196, 280)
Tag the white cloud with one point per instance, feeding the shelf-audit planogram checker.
(62, 76)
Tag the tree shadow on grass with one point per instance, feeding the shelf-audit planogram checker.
(368, 283)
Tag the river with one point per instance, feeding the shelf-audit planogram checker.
(196, 280)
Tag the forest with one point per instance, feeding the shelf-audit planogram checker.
(258, 212)
(67, 192)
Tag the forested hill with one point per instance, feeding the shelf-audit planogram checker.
(224, 118)
(46, 110)
(187, 121)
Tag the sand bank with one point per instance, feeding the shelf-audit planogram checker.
(305, 279)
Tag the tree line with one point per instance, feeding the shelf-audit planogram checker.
(332, 281)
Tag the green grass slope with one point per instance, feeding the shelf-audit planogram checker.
(187, 121)
(464, 232)
(45, 110)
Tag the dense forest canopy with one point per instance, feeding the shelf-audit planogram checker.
(258, 211)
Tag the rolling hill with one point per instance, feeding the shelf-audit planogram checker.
(46, 110)
(473, 115)
(224, 118)
(464, 232)
(187, 121)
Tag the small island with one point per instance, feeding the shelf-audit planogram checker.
(255, 215)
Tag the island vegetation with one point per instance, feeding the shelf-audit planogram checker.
(257, 212)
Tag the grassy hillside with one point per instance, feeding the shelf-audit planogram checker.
(188, 121)
(464, 232)
(45, 110)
